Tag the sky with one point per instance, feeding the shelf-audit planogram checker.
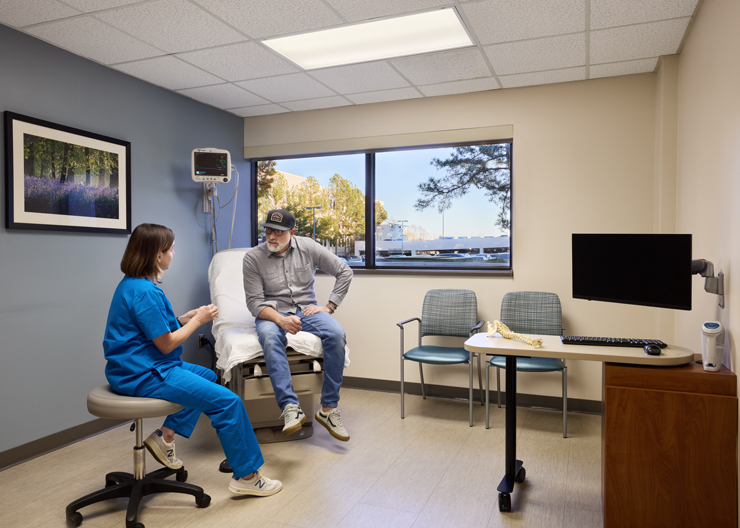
(398, 174)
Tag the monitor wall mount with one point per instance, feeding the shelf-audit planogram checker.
(712, 284)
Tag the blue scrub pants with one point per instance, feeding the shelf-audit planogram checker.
(273, 341)
(194, 387)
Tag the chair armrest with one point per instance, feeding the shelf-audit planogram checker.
(477, 327)
(400, 325)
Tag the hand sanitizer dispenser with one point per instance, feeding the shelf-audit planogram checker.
(712, 340)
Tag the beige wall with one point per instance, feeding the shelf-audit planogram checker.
(584, 157)
(708, 181)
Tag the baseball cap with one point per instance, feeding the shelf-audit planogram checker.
(281, 219)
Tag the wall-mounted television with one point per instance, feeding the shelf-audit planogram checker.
(642, 269)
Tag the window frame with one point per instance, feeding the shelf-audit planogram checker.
(370, 266)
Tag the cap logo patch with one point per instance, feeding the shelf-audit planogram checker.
(276, 217)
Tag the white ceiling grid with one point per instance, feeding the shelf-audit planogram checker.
(212, 50)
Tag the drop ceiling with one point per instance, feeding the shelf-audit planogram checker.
(211, 50)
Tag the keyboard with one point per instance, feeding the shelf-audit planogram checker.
(611, 341)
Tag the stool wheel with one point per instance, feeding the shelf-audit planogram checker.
(74, 520)
(181, 476)
(137, 525)
(203, 501)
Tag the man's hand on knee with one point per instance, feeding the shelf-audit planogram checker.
(291, 324)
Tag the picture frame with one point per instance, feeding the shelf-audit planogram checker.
(59, 178)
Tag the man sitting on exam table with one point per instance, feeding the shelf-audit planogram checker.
(278, 282)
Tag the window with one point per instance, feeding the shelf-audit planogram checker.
(443, 208)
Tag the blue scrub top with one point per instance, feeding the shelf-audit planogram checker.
(138, 313)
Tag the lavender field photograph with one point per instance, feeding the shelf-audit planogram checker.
(67, 179)
(60, 178)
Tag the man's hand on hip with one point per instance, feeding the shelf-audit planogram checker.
(291, 324)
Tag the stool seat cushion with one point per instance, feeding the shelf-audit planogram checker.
(104, 403)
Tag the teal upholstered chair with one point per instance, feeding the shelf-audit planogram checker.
(532, 313)
(444, 313)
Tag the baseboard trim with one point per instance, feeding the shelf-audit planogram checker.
(55, 441)
(461, 393)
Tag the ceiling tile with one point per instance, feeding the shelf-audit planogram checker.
(546, 77)
(89, 6)
(384, 95)
(19, 13)
(169, 72)
(608, 13)
(251, 111)
(356, 10)
(91, 38)
(223, 96)
(446, 66)
(368, 77)
(287, 88)
(171, 25)
(623, 68)
(535, 55)
(497, 21)
(239, 62)
(457, 87)
(637, 42)
(315, 104)
(266, 18)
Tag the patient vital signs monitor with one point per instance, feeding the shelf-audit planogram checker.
(211, 165)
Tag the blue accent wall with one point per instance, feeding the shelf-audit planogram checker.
(56, 287)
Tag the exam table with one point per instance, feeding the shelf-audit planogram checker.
(240, 360)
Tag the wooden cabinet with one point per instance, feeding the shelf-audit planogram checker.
(669, 447)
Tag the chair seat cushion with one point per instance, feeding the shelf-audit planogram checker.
(438, 355)
(104, 403)
(526, 364)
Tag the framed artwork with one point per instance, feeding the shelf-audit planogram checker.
(60, 178)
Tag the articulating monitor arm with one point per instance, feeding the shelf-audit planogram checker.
(712, 284)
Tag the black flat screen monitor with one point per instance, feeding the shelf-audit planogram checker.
(643, 269)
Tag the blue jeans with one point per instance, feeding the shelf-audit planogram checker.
(194, 387)
(273, 341)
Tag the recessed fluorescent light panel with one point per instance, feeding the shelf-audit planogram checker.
(380, 39)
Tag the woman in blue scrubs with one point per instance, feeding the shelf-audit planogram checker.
(143, 343)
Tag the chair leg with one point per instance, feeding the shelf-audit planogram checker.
(488, 370)
(498, 386)
(401, 387)
(480, 380)
(565, 402)
(421, 375)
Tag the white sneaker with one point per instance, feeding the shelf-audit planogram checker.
(333, 423)
(162, 451)
(258, 485)
(294, 419)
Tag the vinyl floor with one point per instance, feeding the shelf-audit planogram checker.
(429, 470)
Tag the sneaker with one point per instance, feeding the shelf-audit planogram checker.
(294, 419)
(258, 485)
(162, 451)
(333, 423)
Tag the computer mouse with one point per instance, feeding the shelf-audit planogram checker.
(652, 350)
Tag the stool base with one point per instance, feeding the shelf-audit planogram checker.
(119, 484)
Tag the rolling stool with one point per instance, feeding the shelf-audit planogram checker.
(105, 403)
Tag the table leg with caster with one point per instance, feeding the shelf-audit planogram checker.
(515, 471)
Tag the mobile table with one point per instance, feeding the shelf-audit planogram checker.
(551, 347)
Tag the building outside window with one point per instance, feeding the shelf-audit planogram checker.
(435, 208)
